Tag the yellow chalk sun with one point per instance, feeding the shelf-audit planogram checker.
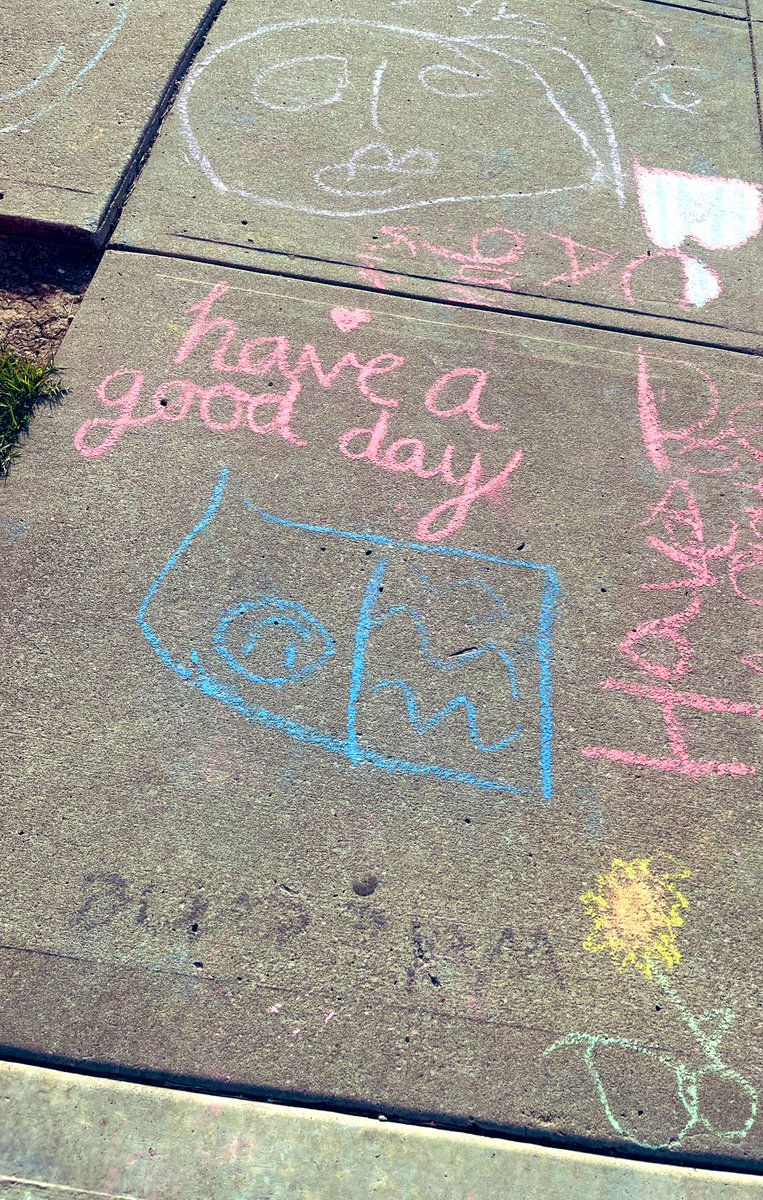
(636, 913)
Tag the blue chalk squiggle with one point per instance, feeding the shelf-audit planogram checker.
(424, 725)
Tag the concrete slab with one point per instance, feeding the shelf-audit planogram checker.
(95, 1137)
(83, 85)
(386, 712)
(605, 156)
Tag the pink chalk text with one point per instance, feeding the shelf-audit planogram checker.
(662, 648)
(228, 407)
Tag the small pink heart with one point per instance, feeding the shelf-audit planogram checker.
(348, 319)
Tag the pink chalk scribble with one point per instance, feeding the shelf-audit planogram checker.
(577, 271)
(676, 207)
(666, 630)
(469, 407)
(701, 284)
(678, 515)
(681, 760)
(484, 262)
(688, 439)
(487, 260)
(408, 456)
(349, 319)
(661, 647)
(753, 661)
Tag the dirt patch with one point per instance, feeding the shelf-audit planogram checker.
(41, 285)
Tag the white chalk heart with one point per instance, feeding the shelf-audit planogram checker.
(347, 319)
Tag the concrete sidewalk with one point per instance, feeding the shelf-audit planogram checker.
(83, 86)
(340, 686)
(603, 158)
(88, 1137)
(381, 650)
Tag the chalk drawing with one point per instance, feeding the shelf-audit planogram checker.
(54, 82)
(664, 87)
(662, 647)
(482, 259)
(688, 1083)
(717, 213)
(475, 265)
(701, 284)
(503, 13)
(30, 86)
(383, 168)
(636, 912)
(227, 408)
(672, 702)
(347, 319)
(638, 17)
(753, 661)
(359, 669)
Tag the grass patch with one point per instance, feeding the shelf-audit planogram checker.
(23, 387)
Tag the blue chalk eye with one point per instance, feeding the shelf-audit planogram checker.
(273, 641)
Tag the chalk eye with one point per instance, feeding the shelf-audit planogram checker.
(273, 641)
(455, 83)
(298, 85)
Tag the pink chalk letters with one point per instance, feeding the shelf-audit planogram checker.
(230, 406)
(661, 648)
(676, 208)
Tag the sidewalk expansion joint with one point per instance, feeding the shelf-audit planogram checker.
(666, 335)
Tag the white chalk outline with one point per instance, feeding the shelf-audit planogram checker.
(375, 93)
(310, 106)
(478, 42)
(653, 76)
(394, 166)
(54, 63)
(430, 87)
(33, 83)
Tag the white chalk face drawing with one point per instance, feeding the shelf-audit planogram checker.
(345, 117)
(45, 60)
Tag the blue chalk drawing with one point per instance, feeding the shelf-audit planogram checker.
(298, 648)
(300, 625)
(11, 530)
(424, 725)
